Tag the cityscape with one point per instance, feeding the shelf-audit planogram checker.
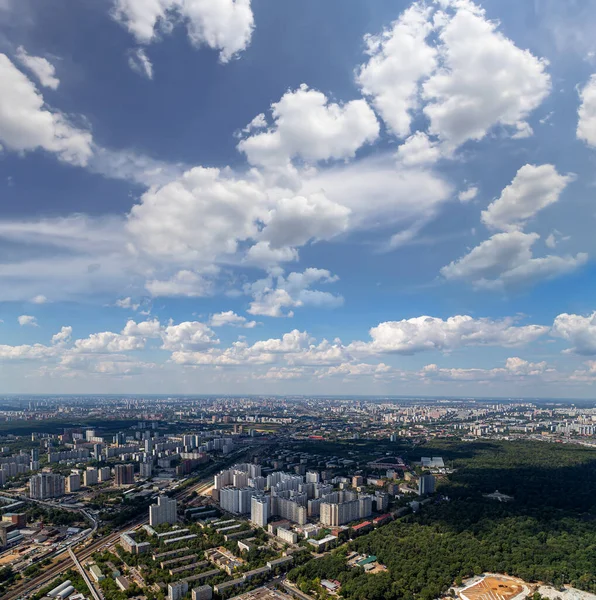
(297, 300)
(229, 497)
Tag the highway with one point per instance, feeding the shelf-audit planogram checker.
(63, 560)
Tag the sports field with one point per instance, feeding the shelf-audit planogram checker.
(494, 587)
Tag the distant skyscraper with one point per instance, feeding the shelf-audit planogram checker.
(339, 508)
(236, 500)
(165, 511)
(90, 476)
(382, 501)
(105, 474)
(312, 477)
(124, 474)
(357, 481)
(46, 485)
(97, 451)
(73, 483)
(260, 510)
(426, 484)
(146, 469)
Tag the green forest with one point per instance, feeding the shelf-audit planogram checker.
(547, 533)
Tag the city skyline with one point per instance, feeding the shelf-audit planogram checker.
(256, 202)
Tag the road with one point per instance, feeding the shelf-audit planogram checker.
(293, 590)
(63, 560)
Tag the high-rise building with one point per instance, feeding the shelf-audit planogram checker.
(236, 500)
(426, 484)
(357, 481)
(46, 485)
(97, 451)
(73, 483)
(260, 510)
(124, 474)
(165, 511)
(339, 508)
(292, 509)
(238, 475)
(240, 479)
(258, 483)
(203, 592)
(312, 477)
(382, 501)
(146, 469)
(90, 476)
(105, 474)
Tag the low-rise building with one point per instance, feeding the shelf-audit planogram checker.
(286, 535)
(122, 583)
(324, 544)
(96, 573)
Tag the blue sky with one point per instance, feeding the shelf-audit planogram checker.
(241, 196)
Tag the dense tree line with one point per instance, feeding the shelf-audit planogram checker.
(547, 533)
(53, 516)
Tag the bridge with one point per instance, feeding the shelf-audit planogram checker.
(97, 595)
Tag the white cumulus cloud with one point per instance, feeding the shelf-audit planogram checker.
(484, 79)
(188, 336)
(309, 127)
(399, 58)
(139, 62)
(26, 124)
(419, 334)
(63, 336)
(224, 25)
(230, 318)
(42, 68)
(295, 221)
(276, 295)
(418, 150)
(578, 330)
(25, 320)
(532, 189)
(506, 260)
(586, 126)
(468, 194)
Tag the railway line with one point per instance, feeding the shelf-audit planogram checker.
(63, 561)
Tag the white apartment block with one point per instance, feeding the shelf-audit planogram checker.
(165, 511)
